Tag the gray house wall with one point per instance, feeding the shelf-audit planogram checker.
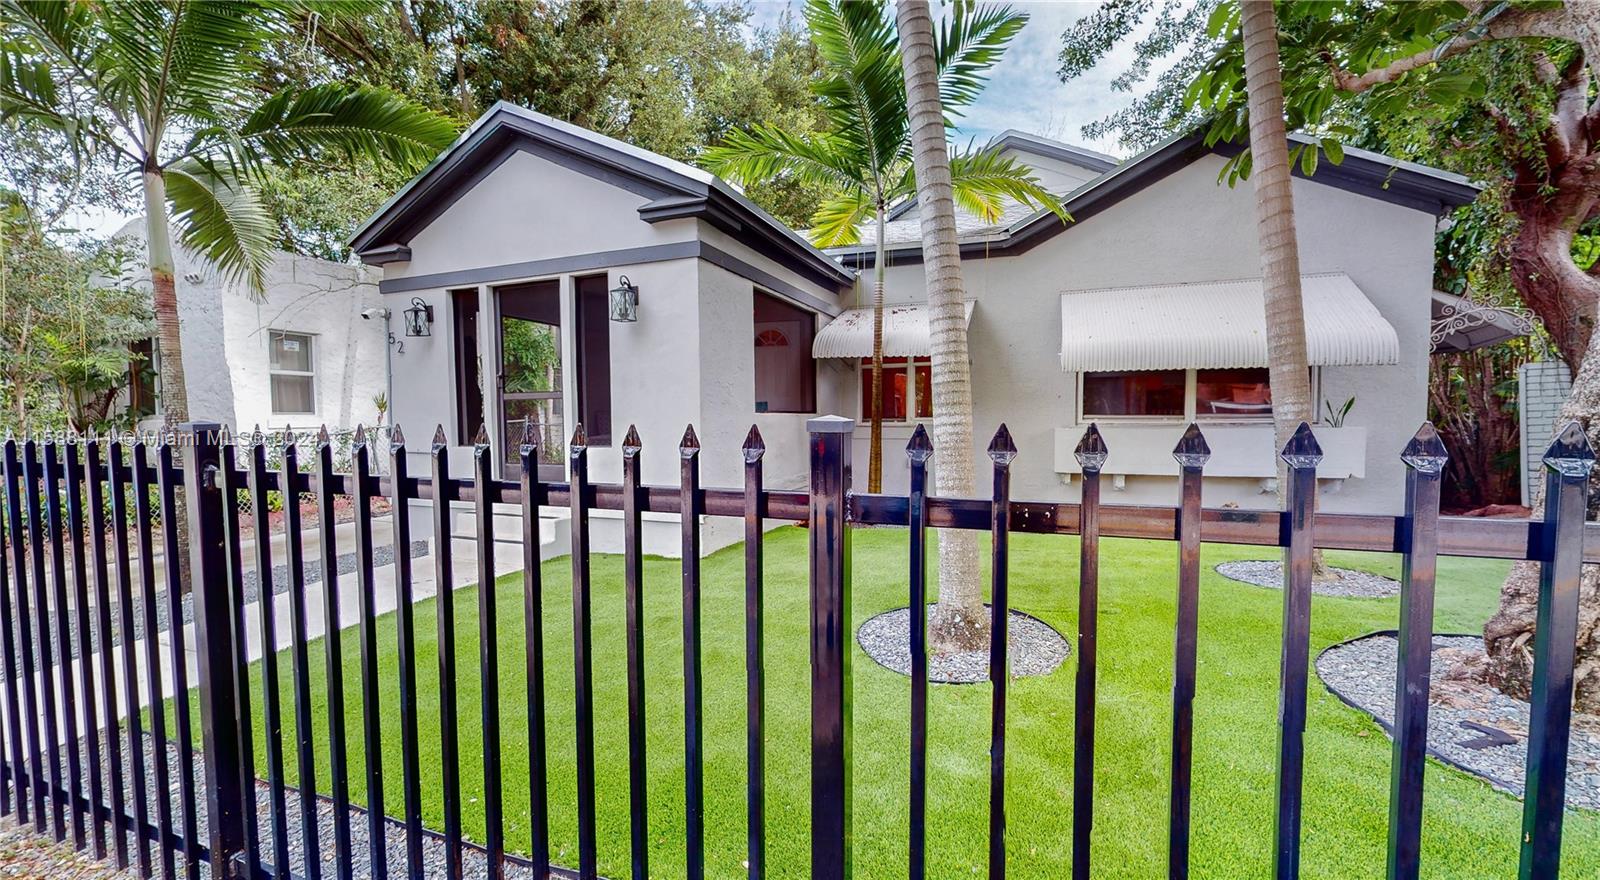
(688, 358)
(1185, 227)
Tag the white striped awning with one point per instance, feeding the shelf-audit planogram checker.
(905, 333)
(1217, 324)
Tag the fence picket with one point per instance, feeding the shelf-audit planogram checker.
(918, 451)
(16, 481)
(33, 474)
(689, 505)
(17, 768)
(333, 658)
(1424, 458)
(94, 473)
(1191, 454)
(1002, 451)
(1567, 463)
(76, 527)
(633, 598)
(173, 550)
(1301, 454)
(754, 659)
(290, 482)
(582, 663)
(233, 541)
(444, 605)
(533, 497)
(73, 792)
(145, 518)
(406, 653)
(828, 513)
(362, 489)
(266, 613)
(120, 480)
(488, 653)
(1091, 455)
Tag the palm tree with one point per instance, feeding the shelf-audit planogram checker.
(1288, 371)
(865, 154)
(959, 618)
(169, 89)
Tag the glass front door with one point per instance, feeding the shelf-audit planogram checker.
(530, 375)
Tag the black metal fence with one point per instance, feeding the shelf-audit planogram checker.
(106, 769)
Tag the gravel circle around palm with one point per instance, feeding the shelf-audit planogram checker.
(1350, 584)
(1036, 648)
(1471, 725)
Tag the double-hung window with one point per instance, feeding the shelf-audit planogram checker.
(292, 371)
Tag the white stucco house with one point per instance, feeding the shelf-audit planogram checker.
(1141, 314)
(299, 355)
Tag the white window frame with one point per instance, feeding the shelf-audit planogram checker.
(911, 364)
(1190, 388)
(273, 372)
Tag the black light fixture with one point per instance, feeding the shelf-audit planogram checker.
(419, 318)
(625, 301)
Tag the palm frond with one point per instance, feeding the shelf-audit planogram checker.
(838, 220)
(222, 217)
(983, 182)
(347, 121)
(764, 152)
(862, 88)
(967, 45)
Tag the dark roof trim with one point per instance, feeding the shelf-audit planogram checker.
(1370, 174)
(659, 253)
(389, 253)
(676, 190)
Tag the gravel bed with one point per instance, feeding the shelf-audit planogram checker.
(474, 860)
(381, 556)
(1035, 648)
(24, 853)
(1362, 673)
(1350, 584)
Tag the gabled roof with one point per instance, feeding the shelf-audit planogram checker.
(674, 189)
(1038, 145)
(1367, 173)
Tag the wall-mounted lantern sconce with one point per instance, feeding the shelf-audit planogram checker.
(625, 301)
(419, 318)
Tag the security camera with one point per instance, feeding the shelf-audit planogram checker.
(369, 314)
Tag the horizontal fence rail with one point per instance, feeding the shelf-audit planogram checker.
(109, 545)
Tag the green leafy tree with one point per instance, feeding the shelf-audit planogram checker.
(168, 89)
(1502, 91)
(67, 317)
(864, 151)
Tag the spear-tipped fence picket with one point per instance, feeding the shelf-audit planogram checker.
(69, 605)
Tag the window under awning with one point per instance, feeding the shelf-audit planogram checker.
(905, 333)
(1217, 324)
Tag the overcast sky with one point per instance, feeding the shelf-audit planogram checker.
(1024, 91)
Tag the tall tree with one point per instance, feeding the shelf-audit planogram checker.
(864, 152)
(1288, 370)
(959, 619)
(1502, 91)
(168, 89)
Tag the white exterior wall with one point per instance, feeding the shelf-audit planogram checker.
(225, 332)
(1184, 227)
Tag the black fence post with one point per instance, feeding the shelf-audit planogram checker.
(1191, 453)
(1425, 458)
(1302, 455)
(830, 647)
(216, 647)
(1091, 454)
(1566, 500)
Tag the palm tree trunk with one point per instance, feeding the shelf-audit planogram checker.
(174, 394)
(959, 620)
(875, 406)
(1280, 254)
(158, 239)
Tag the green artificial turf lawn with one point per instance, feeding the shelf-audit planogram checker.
(1470, 830)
